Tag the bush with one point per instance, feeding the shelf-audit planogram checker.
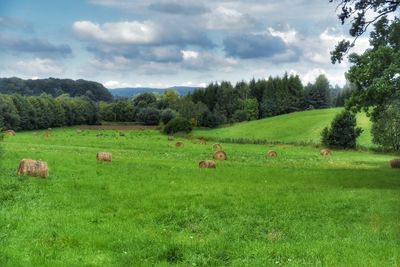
(343, 132)
(240, 115)
(149, 116)
(167, 115)
(208, 119)
(386, 127)
(177, 125)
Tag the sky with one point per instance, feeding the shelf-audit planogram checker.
(162, 43)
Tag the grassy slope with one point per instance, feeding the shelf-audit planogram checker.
(290, 128)
(153, 206)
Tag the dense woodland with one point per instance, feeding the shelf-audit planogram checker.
(55, 87)
(40, 104)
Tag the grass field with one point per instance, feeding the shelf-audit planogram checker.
(153, 206)
(300, 127)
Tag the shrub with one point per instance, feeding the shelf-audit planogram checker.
(177, 125)
(386, 127)
(167, 115)
(343, 132)
(149, 116)
(240, 115)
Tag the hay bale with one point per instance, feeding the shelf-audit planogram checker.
(395, 163)
(10, 133)
(207, 164)
(220, 155)
(34, 168)
(179, 144)
(272, 154)
(217, 147)
(104, 156)
(79, 131)
(47, 134)
(171, 137)
(326, 152)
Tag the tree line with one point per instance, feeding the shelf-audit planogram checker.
(41, 112)
(221, 103)
(217, 104)
(55, 87)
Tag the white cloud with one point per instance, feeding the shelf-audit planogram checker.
(128, 32)
(222, 18)
(289, 36)
(39, 67)
(188, 54)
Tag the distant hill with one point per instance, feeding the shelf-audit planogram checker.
(298, 127)
(129, 92)
(55, 87)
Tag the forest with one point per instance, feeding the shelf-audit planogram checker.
(217, 104)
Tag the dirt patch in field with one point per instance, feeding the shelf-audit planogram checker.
(117, 127)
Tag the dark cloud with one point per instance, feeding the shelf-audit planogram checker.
(248, 46)
(34, 46)
(181, 8)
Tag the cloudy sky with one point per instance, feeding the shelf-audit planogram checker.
(160, 43)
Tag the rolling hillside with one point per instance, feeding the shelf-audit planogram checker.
(296, 127)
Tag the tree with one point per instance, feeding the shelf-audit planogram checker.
(145, 100)
(375, 73)
(167, 115)
(178, 125)
(362, 14)
(318, 94)
(149, 116)
(343, 132)
(250, 106)
(240, 115)
(386, 127)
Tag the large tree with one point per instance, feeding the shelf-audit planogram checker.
(362, 14)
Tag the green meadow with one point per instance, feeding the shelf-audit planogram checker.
(153, 206)
(296, 128)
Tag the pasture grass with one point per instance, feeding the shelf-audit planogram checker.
(153, 206)
(302, 128)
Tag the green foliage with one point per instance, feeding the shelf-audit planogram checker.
(149, 116)
(167, 115)
(144, 100)
(208, 119)
(361, 14)
(240, 115)
(178, 125)
(250, 106)
(318, 94)
(343, 132)
(386, 127)
(376, 72)
(55, 87)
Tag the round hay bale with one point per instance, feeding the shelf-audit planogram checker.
(47, 134)
(395, 163)
(217, 147)
(104, 156)
(35, 168)
(171, 137)
(272, 154)
(220, 155)
(207, 164)
(10, 133)
(326, 152)
(79, 131)
(179, 144)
